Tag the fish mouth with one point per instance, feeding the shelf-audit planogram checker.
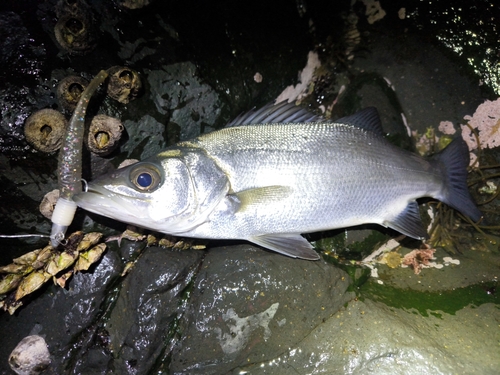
(99, 200)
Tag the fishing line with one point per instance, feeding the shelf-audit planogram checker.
(60, 240)
(23, 235)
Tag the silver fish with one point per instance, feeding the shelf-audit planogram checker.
(268, 183)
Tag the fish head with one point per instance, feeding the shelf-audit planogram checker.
(160, 193)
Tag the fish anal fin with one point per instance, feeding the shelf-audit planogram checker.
(292, 245)
(262, 196)
(408, 222)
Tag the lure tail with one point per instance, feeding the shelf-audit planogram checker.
(70, 164)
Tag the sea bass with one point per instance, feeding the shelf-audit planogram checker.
(267, 183)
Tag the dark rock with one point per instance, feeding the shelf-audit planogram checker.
(249, 305)
(62, 316)
(148, 305)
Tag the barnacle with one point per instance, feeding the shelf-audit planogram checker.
(31, 283)
(61, 262)
(87, 258)
(74, 31)
(32, 270)
(124, 84)
(45, 129)
(48, 203)
(69, 91)
(10, 282)
(104, 134)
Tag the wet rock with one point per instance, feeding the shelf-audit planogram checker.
(146, 310)
(87, 291)
(146, 137)
(424, 84)
(176, 89)
(370, 338)
(22, 55)
(249, 305)
(245, 304)
(64, 315)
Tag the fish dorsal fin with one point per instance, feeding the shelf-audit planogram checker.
(367, 119)
(292, 245)
(408, 222)
(271, 113)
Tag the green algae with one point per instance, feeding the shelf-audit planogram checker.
(432, 303)
(350, 243)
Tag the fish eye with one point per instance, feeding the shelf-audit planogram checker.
(145, 178)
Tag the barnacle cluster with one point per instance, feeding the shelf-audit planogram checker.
(132, 234)
(175, 242)
(32, 270)
(45, 129)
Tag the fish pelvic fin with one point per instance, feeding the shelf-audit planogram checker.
(454, 161)
(408, 222)
(292, 245)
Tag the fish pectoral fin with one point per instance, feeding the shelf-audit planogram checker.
(262, 196)
(408, 222)
(292, 245)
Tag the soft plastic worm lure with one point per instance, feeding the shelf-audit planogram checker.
(70, 164)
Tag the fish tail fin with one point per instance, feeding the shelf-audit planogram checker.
(454, 160)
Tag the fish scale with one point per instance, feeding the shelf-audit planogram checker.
(273, 161)
(269, 183)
